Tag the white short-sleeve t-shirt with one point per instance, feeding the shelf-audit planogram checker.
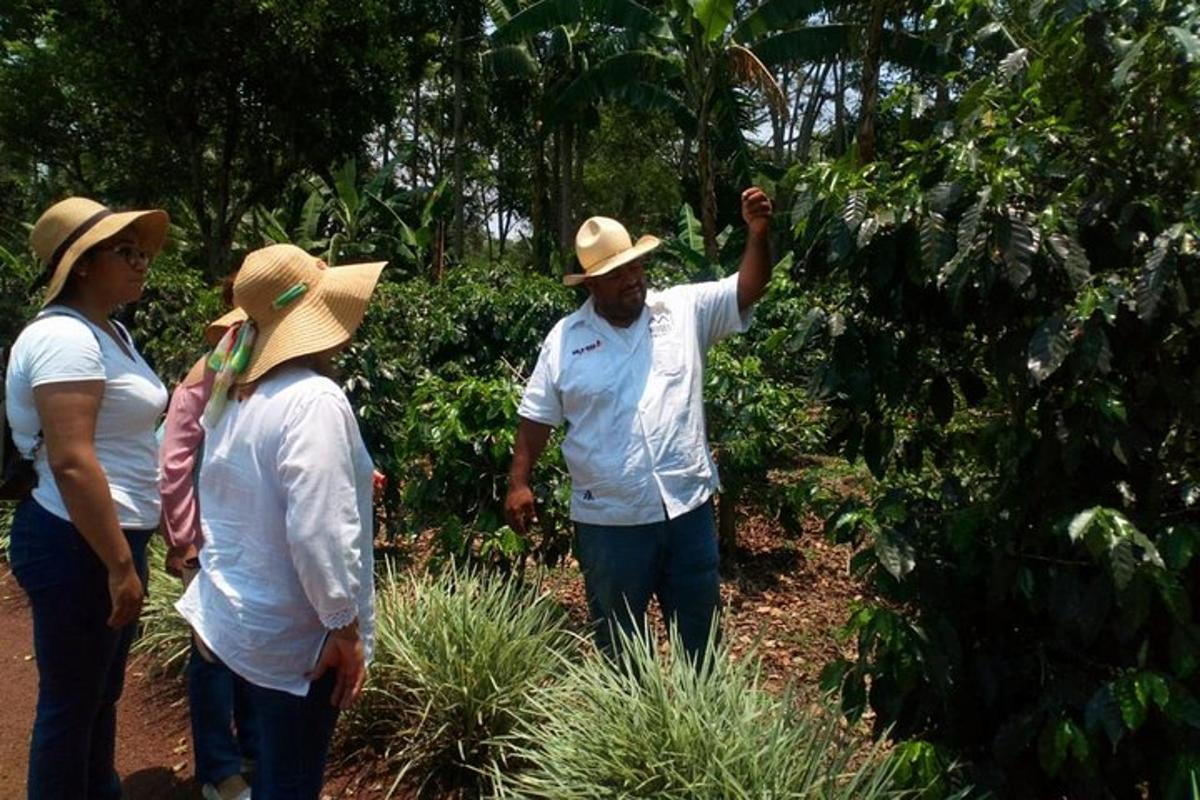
(63, 347)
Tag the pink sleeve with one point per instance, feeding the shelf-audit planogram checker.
(182, 436)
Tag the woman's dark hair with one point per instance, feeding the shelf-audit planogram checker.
(227, 289)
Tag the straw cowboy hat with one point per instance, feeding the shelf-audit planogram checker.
(299, 305)
(70, 227)
(602, 245)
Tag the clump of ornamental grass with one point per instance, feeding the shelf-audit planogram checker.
(458, 657)
(164, 637)
(6, 519)
(655, 727)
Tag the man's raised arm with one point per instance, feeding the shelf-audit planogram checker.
(755, 271)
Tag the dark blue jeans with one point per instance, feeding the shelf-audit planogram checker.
(293, 739)
(218, 708)
(676, 560)
(80, 660)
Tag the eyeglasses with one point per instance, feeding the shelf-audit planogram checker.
(132, 254)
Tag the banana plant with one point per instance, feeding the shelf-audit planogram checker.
(686, 247)
(681, 62)
(341, 217)
(690, 60)
(530, 72)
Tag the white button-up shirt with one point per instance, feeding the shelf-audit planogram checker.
(285, 509)
(632, 401)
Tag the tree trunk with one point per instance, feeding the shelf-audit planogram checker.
(686, 163)
(554, 191)
(537, 208)
(708, 184)
(566, 195)
(779, 122)
(501, 226)
(439, 250)
(577, 199)
(941, 103)
(459, 171)
(870, 83)
(839, 107)
(414, 166)
(804, 81)
(811, 113)
(218, 233)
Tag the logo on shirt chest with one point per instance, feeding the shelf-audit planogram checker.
(661, 325)
(588, 348)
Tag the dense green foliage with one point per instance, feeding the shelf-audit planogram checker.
(1013, 348)
(213, 106)
(988, 301)
(436, 376)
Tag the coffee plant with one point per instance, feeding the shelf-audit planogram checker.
(1012, 341)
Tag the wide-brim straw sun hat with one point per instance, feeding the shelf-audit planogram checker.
(69, 228)
(298, 305)
(216, 329)
(602, 244)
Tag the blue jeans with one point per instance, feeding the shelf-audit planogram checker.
(676, 560)
(218, 707)
(293, 739)
(80, 660)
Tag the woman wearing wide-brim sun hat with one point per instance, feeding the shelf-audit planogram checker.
(284, 596)
(83, 405)
(223, 738)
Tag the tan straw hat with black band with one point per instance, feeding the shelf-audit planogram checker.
(298, 305)
(71, 227)
(602, 245)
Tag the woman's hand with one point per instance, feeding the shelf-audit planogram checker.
(178, 555)
(343, 651)
(125, 595)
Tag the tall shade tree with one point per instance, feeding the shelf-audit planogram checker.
(529, 73)
(783, 32)
(212, 106)
(681, 60)
(689, 58)
(468, 21)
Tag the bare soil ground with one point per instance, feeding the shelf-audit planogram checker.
(784, 598)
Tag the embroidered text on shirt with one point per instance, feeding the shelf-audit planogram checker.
(587, 348)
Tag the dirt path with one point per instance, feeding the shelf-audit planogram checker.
(153, 745)
(154, 754)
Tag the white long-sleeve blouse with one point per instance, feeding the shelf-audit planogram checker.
(285, 504)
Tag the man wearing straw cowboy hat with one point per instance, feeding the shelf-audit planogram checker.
(625, 373)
